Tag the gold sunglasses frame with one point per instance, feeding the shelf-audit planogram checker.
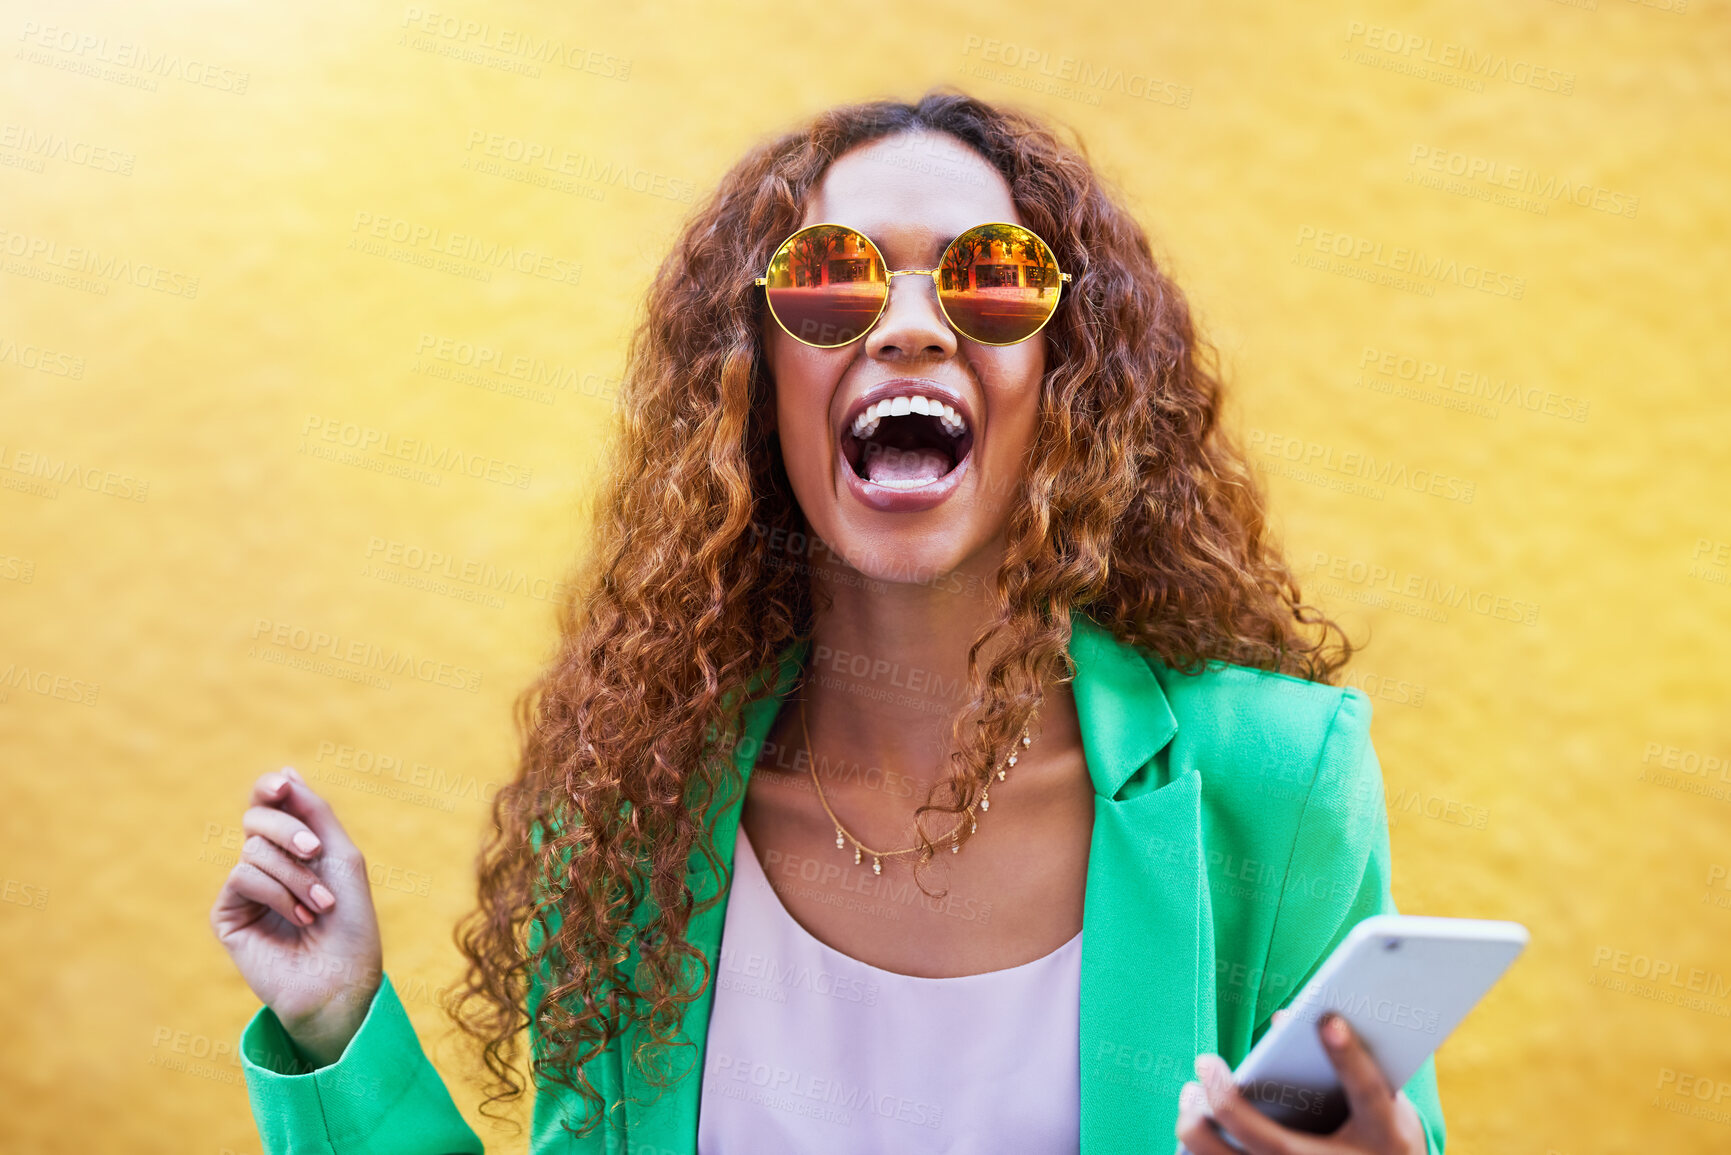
(932, 273)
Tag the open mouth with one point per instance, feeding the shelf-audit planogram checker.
(907, 441)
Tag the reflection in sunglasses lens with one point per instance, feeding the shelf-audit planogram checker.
(826, 285)
(999, 283)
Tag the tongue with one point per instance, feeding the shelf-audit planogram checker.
(906, 467)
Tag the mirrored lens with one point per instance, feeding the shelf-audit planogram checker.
(999, 283)
(826, 285)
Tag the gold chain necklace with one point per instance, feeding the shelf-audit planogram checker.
(843, 836)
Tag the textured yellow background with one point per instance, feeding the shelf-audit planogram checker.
(1547, 629)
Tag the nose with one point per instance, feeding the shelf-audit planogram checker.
(912, 325)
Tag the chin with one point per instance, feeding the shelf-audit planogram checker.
(931, 557)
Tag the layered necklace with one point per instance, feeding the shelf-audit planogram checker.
(843, 836)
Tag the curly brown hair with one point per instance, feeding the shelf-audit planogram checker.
(1136, 509)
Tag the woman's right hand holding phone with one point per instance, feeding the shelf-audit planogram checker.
(1383, 1120)
(296, 917)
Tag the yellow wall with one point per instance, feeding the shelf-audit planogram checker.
(1556, 747)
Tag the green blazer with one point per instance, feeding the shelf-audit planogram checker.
(1239, 833)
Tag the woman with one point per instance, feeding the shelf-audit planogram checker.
(947, 598)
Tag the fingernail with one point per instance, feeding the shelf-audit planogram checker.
(293, 773)
(1334, 1030)
(324, 898)
(303, 913)
(277, 783)
(306, 841)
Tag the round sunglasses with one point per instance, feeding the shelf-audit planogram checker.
(997, 283)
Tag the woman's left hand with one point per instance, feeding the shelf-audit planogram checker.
(1383, 1121)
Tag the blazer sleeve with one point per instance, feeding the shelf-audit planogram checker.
(381, 1097)
(1337, 877)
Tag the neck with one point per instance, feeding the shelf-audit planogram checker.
(887, 675)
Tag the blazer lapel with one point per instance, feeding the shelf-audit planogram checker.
(1147, 935)
(1147, 927)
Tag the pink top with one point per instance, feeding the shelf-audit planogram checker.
(811, 1050)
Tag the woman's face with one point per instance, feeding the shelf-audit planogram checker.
(918, 513)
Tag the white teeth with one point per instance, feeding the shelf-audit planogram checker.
(948, 418)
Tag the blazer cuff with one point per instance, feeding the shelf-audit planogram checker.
(381, 1091)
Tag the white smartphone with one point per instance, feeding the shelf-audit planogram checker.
(1403, 982)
